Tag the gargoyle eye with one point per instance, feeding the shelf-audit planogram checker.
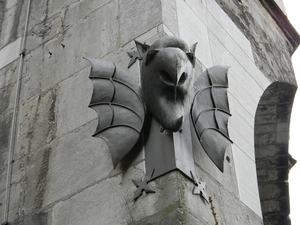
(182, 79)
(166, 78)
(150, 56)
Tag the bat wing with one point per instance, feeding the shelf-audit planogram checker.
(210, 113)
(116, 99)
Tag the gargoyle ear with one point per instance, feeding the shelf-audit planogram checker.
(193, 47)
(192, 58)
(150, 56)
(141, 48)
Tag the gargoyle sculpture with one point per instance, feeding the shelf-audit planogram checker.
(169, 101)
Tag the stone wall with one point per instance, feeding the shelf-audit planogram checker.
(61, 174)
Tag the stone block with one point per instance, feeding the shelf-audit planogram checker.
(247, 180)
(40, 218)
(174, 214)
(40, 33)
(2, 205)
(262, 175)
(273, 207)
(77, 160)
(275, 161)
(135, 22)
(277, 220)
(282, 137)
(197, 6)
(73, 97)
(169, 16)
(39, 13)
(243, 138)
(9, 74)
(37, 123)
(36, 177)
(278, 174)
(110, 201)
(7, 97)
(228, 33)
(227, 205)
(32, 75)
(283, 127)
(3, 178)
(192, 30)
(63, 55)
(268, 107)
(55, 7)
(12, 24)
(152, 35)
(265, 129)
(274, 191)
(241, 84)
(265, 139)
(271, 150)
(239, 47)
(10, 52)
(5, 130)
(271, 118)
(232, 211)
(197, 206)
(15, 202)
(11, 3)
(256, 13)
(272, 175)
(79, 10)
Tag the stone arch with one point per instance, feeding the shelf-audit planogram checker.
(273, 161)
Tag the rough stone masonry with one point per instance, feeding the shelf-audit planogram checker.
(54, 172)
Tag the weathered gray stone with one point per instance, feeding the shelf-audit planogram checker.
(274, 190)
(116, 205)
(85, 160)
(271, 150)
(241, 84)
(243, 138)
(8, 74)
(73, 106)
(10, 53)
(58, 6)
(227, 32)
(7, 97)
(134, 21)
(268, 54)
(169, 15)
(5, 131)
(36, 179)
(77, 11)
(59, 57)
(37, 124)
(40, 218)
(247, 180)
(42, 32)
(62, 175)
(12, 27)
(15, 202)
(11, 3)
(196, 31)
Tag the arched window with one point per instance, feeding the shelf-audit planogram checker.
(273, 161)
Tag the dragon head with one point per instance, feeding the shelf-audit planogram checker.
(167, 80)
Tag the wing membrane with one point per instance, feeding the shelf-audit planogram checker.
(210, 113)
(117, 102)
